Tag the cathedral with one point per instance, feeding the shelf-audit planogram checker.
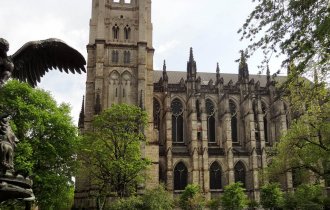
(210, 129)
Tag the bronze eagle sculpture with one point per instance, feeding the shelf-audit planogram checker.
(35, 58)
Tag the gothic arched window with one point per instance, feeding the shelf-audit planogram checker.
(180, 176)
(210, 120)
(156, 114)
(114, 56)
(215, 176)
(177, 120)
(264, 112)
(240, 173)
(127, 32)
(115, 31)
(198, 111)
(127, 57)
(256, 120)
(233, 112)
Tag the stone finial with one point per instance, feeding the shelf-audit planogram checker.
(218, 73)
(191, 67)
(191, 55)
(268, 74)
(82, 114)
(165, 77)
(243, 70)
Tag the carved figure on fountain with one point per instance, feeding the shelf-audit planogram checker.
(8, 142)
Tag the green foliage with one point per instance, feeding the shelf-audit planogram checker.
(111, 153)
(271, 196)
(299, 30)
(306, 145)
(290, 202)
(157, 199)
(48, 141)
(309, 197)
(253, 204)
(191, 198)
(214, 204)
(129, 203)
(234, 197)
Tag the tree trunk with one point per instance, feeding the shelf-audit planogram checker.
(27, 205)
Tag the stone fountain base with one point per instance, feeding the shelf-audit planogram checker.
(15, 187)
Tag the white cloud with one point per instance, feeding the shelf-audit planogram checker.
(169, 45)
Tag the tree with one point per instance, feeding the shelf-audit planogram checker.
(299, 30)
(306, 145)
(48, 140)
(111, 151)
(271, 196)
(234, 197)
(309, 197)
(191, 198)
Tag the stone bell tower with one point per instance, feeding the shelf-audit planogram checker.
(120, 56)
(120, 65)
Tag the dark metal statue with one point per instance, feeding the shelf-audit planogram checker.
(28, 64)
(8, 142)
(35, 58)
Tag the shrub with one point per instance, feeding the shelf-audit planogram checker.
(157, 199)
(271, 196)
(129, 203)
(191, 198)
(234, 197)
(214, 204)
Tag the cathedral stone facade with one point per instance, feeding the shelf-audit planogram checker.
(210, 129)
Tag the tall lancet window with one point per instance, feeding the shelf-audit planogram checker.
(210, 120)
(215, 176)
(127, 57)
(233, 112)
(127, 32)
(240, 172)
(264, 112)
(180, 176)
(177, 120)
(114, 56)
(115, 31)
(256, 120)
(156, 114)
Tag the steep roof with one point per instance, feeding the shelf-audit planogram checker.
(174, 77)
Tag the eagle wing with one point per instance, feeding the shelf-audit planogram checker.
(35, 58)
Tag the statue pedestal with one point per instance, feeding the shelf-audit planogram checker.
(15, 187)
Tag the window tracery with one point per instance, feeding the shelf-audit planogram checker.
(180, 176)
(233, 112)
(127, 57)
(127, 32)
(156, 114)
(115, 31)
(210, 110)
(177, 120)
(240, 173)
(264, 112)
(215, 176)
(115, 56)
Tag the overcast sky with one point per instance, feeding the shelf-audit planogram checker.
(209, 26)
